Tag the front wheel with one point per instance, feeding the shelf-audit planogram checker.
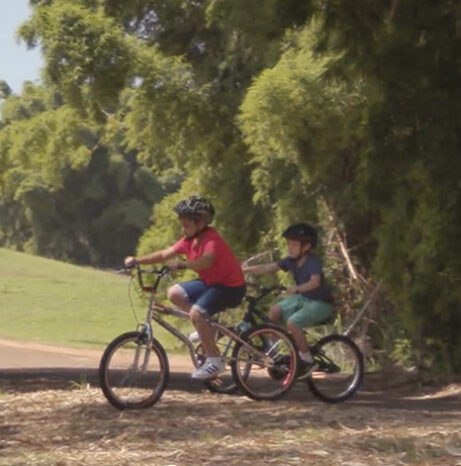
(338, 368)
(132, 373)
(266, 364)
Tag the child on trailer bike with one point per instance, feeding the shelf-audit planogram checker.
(310, 301)
(221, 284)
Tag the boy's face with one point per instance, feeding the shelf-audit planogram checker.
(296, 248)
(191, 227)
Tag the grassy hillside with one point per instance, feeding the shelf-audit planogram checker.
(54, 302)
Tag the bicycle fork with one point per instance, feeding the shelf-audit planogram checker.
(146, 338)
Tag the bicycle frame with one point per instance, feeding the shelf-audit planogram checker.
(153, 315)
(134, 368)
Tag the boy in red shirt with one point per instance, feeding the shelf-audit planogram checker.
(221, 284)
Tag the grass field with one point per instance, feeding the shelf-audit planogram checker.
(53, 302)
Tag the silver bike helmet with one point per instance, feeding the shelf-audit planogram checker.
(196, 207)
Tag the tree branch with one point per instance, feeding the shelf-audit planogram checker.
(393, 10)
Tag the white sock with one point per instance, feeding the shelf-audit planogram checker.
(306, 357)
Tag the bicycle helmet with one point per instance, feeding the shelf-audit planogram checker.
(195, 207)
(302, 232)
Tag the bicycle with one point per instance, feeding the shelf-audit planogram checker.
(134, 367)
(338, 369)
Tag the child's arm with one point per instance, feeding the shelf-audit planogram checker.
(158, 256)
(260, 269)
(201, 263)
(312, 284)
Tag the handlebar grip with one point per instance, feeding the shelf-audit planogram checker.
(131, 265)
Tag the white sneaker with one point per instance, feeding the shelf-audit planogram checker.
(194, 337)
(210, 368)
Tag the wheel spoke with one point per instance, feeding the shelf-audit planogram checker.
(265, 366)
(133, 374)
(338, 369)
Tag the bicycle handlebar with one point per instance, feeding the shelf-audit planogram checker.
(264, 291)
(162, 272)
(165, 270)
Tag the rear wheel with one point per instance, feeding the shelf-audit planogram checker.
(132, 373)
(224, 383)
(338, 368)
(265, 366)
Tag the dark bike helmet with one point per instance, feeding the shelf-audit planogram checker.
(195, 207)
(302, 232)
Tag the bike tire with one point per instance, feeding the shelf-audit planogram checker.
(123, 384)
(257, 376)
(338, 369)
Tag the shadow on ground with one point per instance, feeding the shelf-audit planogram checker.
(409, 396)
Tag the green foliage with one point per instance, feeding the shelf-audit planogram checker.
(5, 89)
(167, 111)
(84, 49)
(272, 109)
(68, 189)
(409, 178)
(303, 132)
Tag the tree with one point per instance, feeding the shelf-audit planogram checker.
(69, 189)
(235, 100)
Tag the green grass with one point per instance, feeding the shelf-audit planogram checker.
(47, 301)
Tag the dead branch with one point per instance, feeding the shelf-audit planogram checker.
(393, 9)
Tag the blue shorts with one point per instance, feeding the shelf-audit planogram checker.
(214, 298)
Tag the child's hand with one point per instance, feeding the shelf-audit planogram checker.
(176, 265)
(130, 261)
(292, 289)
(173, 265)
(246, 268)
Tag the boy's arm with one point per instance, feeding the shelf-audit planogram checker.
(158, 256)
(312, 284)
(202, 263)
(260, 269)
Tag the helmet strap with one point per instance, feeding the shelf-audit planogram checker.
(196, 234)
(302, 253)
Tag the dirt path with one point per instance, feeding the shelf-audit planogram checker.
(391, 421)
(30, 366)
(30, 355)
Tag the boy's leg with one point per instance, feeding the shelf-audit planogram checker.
(179, 298)
(311, 313)
(288, 306)
(275, 314)
(205, 331)
(291, 306)
(299, 337)
(213, 300)
(184, 294)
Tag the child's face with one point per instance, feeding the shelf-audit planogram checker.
(190, 227)
(296, 248)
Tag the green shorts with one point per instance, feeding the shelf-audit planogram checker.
(304, 312)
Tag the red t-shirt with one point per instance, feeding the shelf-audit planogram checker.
(225, 269)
